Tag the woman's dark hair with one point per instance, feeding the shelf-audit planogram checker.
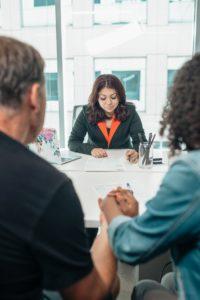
(95, 112)
(181, 116)
(20, 66)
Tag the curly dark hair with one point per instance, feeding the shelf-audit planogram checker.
(181, 115)
(95, 112)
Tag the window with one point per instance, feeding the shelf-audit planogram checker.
(121, 1)
(97, 74)
(34, 15)
(118, 12)
(43, 2)
(42, 13)
(68, 12)
(170, 77)
(173, 64)
(131, 83)
(131, 72)
(144, 55)
(161, 145)
(52, 86)
(181, 10)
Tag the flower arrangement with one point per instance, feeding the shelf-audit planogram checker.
(48, 136)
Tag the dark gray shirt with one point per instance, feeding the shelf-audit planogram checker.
(43, 243)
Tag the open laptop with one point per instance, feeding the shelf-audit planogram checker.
(47, 146)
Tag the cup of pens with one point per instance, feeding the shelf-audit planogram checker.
(146, 153)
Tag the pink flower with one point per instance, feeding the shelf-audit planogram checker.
(48, 134)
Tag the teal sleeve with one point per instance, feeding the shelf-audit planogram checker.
(165, 221)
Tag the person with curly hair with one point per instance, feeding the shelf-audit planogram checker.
(109, 121)
(171, 219)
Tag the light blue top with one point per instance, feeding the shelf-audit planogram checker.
(171, 221)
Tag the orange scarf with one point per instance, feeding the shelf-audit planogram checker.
(114, 125)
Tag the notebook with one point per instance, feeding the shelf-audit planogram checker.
(47, 146)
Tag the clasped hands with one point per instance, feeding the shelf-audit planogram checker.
(118, 202)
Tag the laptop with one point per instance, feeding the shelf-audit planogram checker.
(47, 146)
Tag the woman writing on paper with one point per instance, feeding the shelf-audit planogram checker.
(109, 121)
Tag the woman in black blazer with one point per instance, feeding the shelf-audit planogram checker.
(109, 121)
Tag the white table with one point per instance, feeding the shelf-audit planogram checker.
(145, 183)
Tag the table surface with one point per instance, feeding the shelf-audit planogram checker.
(145, 182)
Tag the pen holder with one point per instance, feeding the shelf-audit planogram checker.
(145, 156)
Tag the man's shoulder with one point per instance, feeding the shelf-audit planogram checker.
(29, 187)
(29, 167)
(42, 167)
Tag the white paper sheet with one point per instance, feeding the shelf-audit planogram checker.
(105, 164)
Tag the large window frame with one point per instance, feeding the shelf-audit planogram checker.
(44, 14)
(185, 10)
(51, 67)
(40, 3)
(196, 44)
(174, 63)
(51, 79)
(117, 13)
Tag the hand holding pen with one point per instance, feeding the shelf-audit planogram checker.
(132, 156)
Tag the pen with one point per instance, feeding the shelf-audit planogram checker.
(129, 187)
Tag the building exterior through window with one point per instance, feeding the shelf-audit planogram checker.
(143, 42)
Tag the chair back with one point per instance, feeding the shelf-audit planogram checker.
(76, 111)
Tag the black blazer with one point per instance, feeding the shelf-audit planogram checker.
(125, 137)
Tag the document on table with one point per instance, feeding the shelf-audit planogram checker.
(105, 164)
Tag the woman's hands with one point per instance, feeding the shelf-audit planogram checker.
(99, 152)
(126, 201)
(119, 202)
(132, 156)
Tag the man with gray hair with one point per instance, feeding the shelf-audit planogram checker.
(43, 244)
